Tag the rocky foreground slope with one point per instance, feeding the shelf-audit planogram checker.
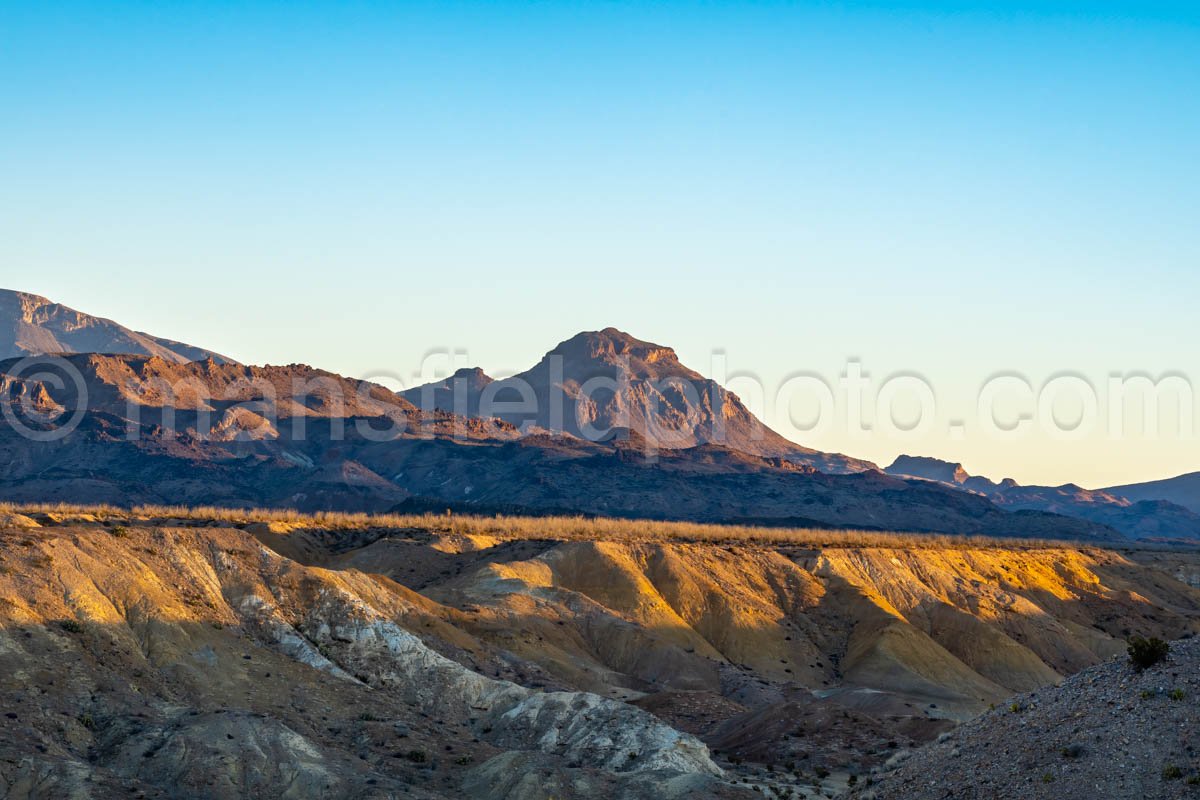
(1110, 731)
(217, 657)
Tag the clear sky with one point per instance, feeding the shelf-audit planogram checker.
(953, 190)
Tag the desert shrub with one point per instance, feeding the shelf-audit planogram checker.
(416, 756)
(1145, 653)
(1074, 750)
(1171, 773)
(1177, 694)
(71, 626)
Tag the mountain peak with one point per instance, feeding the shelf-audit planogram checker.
(611, 346)
(457, 394)
(475, 375)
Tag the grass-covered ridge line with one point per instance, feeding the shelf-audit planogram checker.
(562, 528)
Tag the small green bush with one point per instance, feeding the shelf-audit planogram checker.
(1171, 773)
(416, 756)
(1145, 653)
(1177, 694)
(70, 626)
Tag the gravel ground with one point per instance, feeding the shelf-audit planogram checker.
(1107, 732)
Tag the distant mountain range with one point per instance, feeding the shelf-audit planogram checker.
(239, 436)
(33, 325)
(1140, 511)
(160, 426)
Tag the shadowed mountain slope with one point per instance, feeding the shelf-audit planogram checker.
(458, 394)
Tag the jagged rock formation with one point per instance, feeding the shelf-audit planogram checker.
(1129, 511)
(32, 325)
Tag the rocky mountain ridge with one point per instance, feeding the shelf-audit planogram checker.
(33, 325)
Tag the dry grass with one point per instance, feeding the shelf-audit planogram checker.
(536, 528)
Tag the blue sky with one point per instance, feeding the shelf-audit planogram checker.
(947, 189)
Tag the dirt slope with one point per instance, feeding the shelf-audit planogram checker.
(1108, 731)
